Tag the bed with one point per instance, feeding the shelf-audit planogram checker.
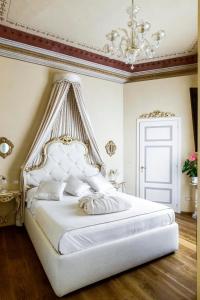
(76, 250)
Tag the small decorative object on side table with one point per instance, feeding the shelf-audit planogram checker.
(10, 211)
(3, 182)
(118, 185)
(113, 174)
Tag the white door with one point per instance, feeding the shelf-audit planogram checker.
(159, 161)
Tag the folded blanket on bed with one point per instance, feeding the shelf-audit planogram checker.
(98, 203)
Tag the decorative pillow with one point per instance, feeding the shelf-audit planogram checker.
(99, 183)
(77, 187)
(50, 190)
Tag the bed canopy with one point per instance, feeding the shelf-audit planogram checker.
(65, 116)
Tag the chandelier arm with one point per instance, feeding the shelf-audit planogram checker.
(125, 31)
(132, 9)
(132, 33)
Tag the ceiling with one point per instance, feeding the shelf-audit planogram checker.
(84, 24)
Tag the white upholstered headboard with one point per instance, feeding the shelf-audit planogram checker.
(62, 157)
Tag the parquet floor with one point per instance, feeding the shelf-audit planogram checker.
(170, 278)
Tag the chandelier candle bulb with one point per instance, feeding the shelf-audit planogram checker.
(131, 44)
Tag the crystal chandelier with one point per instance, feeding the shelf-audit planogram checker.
(132, 43)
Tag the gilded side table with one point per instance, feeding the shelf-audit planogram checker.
(10, 208)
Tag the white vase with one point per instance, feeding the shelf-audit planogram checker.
(194, 180)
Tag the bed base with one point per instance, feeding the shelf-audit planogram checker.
(68, 273)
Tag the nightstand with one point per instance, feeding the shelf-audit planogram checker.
(119, 185)
(10, 205)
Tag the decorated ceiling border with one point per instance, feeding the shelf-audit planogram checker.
(50, 45)
(3, 9)
(7, 21)
(31, 54)
(89, 47)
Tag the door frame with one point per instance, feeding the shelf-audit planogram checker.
(178, 202)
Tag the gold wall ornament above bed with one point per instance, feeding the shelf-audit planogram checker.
(110, 148)
(157, 114)
(6, 147)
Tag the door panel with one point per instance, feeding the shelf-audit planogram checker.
(162, 133)
(158, 164)
(158, 160)
(156, 194)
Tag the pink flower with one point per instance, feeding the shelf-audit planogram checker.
(192, 157)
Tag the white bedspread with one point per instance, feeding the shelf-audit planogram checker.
(69, 229)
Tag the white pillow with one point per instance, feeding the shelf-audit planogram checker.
(77, 187)
(99, 183)
(50, 190)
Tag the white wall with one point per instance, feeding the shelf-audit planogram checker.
(104, 103)
(168, 95)
(24, 93)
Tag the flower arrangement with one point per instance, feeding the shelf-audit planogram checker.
(190, 165)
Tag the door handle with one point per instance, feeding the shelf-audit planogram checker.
(142, 168)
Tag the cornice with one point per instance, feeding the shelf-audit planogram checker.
(34, 49)
(39, 56)
(62, 62)
(165, 73)
(57, 47)
(47, 44)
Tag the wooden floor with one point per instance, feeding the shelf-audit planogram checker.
(172, 277)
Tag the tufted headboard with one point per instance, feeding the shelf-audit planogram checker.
(61, 158)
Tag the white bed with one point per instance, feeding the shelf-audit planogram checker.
(77, 250)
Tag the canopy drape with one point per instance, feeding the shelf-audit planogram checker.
(65, 115)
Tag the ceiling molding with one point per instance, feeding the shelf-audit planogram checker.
(47, 44)
(165, 74)
(51, 59)
(61, 62)
(57, 47)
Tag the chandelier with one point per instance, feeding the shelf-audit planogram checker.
(132, 43)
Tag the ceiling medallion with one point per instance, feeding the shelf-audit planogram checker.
(131, 43)
(157, 114)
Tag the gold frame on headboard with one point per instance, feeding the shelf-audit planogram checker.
(66, 140)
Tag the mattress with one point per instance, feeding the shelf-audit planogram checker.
(70, 230)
